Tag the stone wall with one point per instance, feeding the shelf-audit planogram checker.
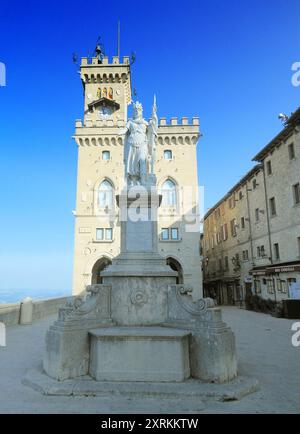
(10, 313)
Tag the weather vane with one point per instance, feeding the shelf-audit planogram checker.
(132, 58)
(99, 50)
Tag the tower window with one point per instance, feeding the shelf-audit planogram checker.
(270, 286)
(291, 150)
(276, 251)
(272, 207)
(168, 155)
(233, 227)
(105, 155)
(100, 234)
(245, 255)
(174, 233)
(243, 222)
(165, 234)
(105, 194)
(226, 263)
(104, 234)
(231, 202)
(108, 234)
(169, 234)
(257, 286)
(296, 190)
(169, 193)
(261, 251)
(269, 168)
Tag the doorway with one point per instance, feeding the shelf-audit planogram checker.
(99, 266)
(176, 266)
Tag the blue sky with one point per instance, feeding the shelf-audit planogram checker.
(229, 62)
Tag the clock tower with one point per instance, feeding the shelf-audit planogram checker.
(107, 91)
(100, 177)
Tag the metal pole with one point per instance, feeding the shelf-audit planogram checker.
(119, 39)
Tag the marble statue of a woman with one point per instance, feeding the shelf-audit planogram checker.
(140, 144)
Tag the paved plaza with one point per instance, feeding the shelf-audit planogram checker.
(264, 351)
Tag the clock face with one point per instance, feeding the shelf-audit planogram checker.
(105, 112)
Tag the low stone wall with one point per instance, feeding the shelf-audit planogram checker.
(10, 313)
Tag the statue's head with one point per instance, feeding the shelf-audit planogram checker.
(137, 110)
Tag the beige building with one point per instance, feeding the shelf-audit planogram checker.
(252, 236)
(107, 95)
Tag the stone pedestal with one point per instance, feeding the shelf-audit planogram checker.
(139, 354)
(212, 349)
(67, 352)
(140, 326)
(212, 343)
(139, 276)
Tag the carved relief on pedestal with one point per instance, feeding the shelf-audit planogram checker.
(138, 297)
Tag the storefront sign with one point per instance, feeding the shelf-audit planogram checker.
(259, 273)
(276, 270)
(286, 269)
(248, 279)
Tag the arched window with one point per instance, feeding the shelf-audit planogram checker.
(168, 155)
(169, 193)
(106, 155)
(106, 194)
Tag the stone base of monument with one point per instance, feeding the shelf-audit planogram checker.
(139, 326)
(196, 391)
(189, 355)
(187, 339)
(139, 354)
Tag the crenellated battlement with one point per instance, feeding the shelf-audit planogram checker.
(94, 61)
(88, 133)
(162, 123)
(174, 121)
(98, 123)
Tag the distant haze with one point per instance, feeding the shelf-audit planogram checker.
(16, 295)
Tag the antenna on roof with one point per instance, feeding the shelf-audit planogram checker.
(99, 51)
(75, 58)
(119, 39)
(132, 58)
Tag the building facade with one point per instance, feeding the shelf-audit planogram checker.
(107, 95)
(251, 240)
